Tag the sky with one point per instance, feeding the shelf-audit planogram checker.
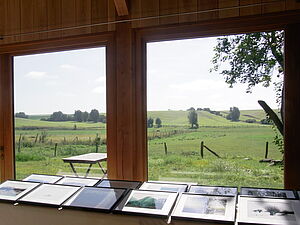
(178, 78)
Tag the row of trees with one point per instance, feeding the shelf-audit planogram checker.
(150, 122)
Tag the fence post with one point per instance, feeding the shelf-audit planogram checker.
(267, 150)
(55, 150)
(166, 148)
(201, 149)
(19, 144)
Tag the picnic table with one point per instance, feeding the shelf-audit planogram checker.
(89, 158)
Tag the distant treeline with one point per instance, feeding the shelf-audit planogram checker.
(78, 116)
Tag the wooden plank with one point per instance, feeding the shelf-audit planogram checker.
(292, 4)
(250, 7)
(188, 7)
(99, 15)
(121, 7)
(167, 8)
(150, 9)
(2, 18)
(273, 7)
(68, 11)
(40, 18)
(292, 107)
(2, 162)
(6, 87)
(12, 21)
(54, 17)
(83, 15)
(27, 20)
(212, 6)
(224, 12)
(136, 12)
(111, 15)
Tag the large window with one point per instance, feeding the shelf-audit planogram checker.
(60, 109)
(200, 129)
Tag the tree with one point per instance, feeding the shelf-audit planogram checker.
(193, 119)
(150, 122)
(234, 114)
(58, 116)
(94, 115)
(158, 122)
(21, 115)
(85, 116)
(78, 116)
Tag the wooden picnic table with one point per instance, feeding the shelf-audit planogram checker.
(89, 158)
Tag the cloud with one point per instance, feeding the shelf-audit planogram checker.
(36, 75)
(99, 90)
(65, 94)
(68, 67)
(200, 85)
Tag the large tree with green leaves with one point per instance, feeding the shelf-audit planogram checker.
(193, 118)
(252, 59)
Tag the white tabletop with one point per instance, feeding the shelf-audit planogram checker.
(87, 158)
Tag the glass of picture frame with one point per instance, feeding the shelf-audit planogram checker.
(298, 192)
(273, 211)
(12, 190)
(49, 194)
(43, 178)
(95, 198)
(267, 193)
(119, 184)
(213, 190)
(77, 181)
(154, 203)
(210, 208)
(164, 187)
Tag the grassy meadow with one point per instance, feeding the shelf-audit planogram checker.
(241, 145)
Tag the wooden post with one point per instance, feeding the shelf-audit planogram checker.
(292, 107)
(55, 150)
(166, 148)
(201, 149)
(267, 150)
(19, 143)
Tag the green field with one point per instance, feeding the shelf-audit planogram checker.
(241, 145)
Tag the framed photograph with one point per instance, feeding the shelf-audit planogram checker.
(267, 193)
(43, 178)
(49, 194)
(268, 211)
(76, 181)
(119, 184)
(12, 190)
(154, 203)
(164, 187)
(213, 190)
(298, 192)
(212, 208)
(94, 198)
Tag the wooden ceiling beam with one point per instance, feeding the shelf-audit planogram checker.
(121, 7)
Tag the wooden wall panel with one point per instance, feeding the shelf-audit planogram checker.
(68, 18)
(150, 9)
(166, 8)
(250, 7)
(83, 15)
(27, 20)
(210, 7)
(224, 12)
(188, 7)
(273, 6)
(292, 4)
(111, 15)
(40, 18)
(54, 14)
(2, 17)
(99, 15)
(12, 20)
(292, 107)
(135, 12)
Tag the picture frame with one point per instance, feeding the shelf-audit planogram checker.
(12, 190)
(214, 190)
(49, 195)
(205, 208)
(77, 181)
(43, 178)
(298, 192)
(95, 199)
(119, 184)
(147, 203)
(171, 187)
(268, 193)
(273, 211)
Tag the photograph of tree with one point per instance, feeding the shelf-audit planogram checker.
(228, 191)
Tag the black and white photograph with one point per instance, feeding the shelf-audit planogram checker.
(164, 187)
(149, 202)
(267, 193)
(76, 181)
(96, 198)
(204, 207)
(12, 190)
(41, 178)
(119, 184)
(268, 211)
(50, 194)
(210, 190)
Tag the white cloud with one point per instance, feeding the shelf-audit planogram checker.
(68, 67)
(99, 90)
(200, 85)
(65, 94)
(36, 75)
